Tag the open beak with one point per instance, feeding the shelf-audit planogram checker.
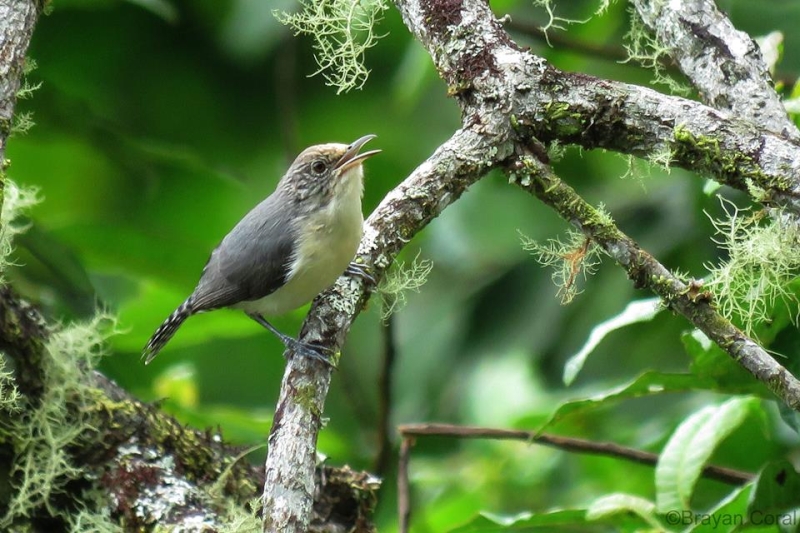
(351, 157)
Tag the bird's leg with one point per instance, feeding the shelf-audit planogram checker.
(360, 270)
(312, 351)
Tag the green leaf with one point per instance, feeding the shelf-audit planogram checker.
(728, 515)
(166, 10)
(710, 362)
(690, 447)
(646, 384)
(494, 522)
(777, 489)
(612, 504)
(637, 311)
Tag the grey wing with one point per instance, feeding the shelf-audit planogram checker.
(252, 261)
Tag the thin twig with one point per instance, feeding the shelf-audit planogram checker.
(403, 491)
(609, 449)
(385, 397)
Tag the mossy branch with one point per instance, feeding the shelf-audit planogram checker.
(688, 298)
(69, 427)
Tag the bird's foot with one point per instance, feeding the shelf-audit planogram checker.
(317, 352)
(360, 270)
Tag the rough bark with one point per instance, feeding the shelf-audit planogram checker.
(724, 64)
(17, 20)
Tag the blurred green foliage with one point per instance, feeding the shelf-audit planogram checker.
(160, 123)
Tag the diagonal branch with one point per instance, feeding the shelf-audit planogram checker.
(688, 299)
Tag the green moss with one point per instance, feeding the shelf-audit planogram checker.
(306, 397)
(643, 48)
(241, 519)
(16, 200)
(9, 394)
(556, 110)
(458, 88)
(763, 260)
(396, 283)
(42, 466)
(572, 261)
(93, 521)
(733, 168)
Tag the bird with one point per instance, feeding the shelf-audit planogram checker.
(290, 247)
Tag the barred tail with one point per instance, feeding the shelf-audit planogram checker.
(166, 330)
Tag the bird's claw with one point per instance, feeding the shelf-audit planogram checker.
(360, 270)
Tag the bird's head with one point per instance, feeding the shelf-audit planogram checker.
(326, 170)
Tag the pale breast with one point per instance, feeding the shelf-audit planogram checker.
(328, 244)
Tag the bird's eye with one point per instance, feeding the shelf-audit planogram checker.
(318, 166)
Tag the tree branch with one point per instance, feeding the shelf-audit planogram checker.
(17, 20)
(724, 64)
(570, 444)
(688, 299)
(498, 83)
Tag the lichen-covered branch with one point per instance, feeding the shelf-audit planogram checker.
(494, 80)
(724, 64)
(434, 185)
(687, 298)
(635, 120)
(17, 19)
